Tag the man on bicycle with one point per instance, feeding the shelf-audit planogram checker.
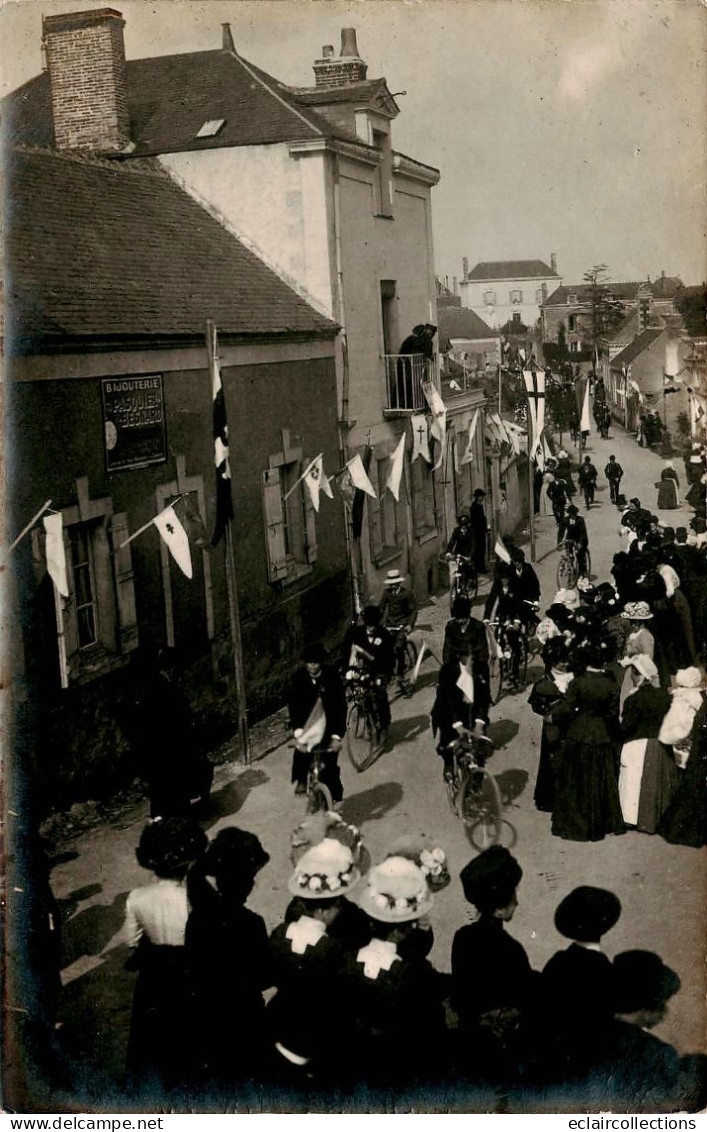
(398, 609)
(461, 544)
(460, 708)
(317, 703)
(508, 611)
(371, 656)
(588, 480)
(557, 494)
(576, 532)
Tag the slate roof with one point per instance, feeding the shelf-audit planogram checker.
(512, 269)
(98, 250)
(660, 289)
(171, 96)
(639, 344)
(462, 323)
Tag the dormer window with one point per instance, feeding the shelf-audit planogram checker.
(571, 298)
(211, 128)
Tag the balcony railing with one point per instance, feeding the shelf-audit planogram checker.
(404, 373)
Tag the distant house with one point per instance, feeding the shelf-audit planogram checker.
(471, 342)
(567, 311)
(509, 290)
(648, 376)
(111, 273)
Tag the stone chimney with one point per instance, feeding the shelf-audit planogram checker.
(347, 69)
(85, 56)
(227, 43)
(553, 262)
(465, 268)
(454, 284)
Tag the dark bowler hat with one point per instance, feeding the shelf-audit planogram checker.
(235, 850)
(587, 913)
(479, 493)
(572, 510)
(314, 654)
(642, 982)
(490, 880)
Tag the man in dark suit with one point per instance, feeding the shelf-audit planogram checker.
(316, 688)
(479, 527)
(576, 532)
(370, 653)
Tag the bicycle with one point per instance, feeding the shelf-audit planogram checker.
(472, 791)
(501, 659)
(363, 731)
(568, 571)
(405, 649)
(465, 580)
(318, 795)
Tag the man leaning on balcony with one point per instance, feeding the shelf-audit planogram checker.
(419, 343)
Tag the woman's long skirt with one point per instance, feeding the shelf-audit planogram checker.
(667, 495)
(648, 779)
(587, 803)
(160, 1046)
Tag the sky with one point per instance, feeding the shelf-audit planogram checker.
(569, 126)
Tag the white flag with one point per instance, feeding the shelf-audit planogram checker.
(175, 537)
(420, 443)
(316, 481)
(396, 469)
(56, 556)
(466, 683)
(468, 457)
(438, 427)
(358, 476)
(501, 552)
(313, 731)
(584, 425)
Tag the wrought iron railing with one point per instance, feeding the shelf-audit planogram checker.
(404, 374)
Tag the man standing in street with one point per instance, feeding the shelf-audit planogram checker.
(613, 472)
(588, 481)
(479, 526)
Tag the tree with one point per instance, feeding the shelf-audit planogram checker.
(605, 313)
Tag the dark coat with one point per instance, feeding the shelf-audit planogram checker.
(469, 637)
(544, 696)
(576, 529)
(490, 970)
(644, 712)
(398, 608)
(590, 710)
(461, 542)
(304, 692)
(380, 648)
(450, 706)
(613, 470)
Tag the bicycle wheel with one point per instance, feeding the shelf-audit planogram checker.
(471, 586)
(318, 798)
(454, 588)
(589, 564)
(522, 662)
(566, 573)
(360, 736)
(480, 808)
(451, 786)
(410, 655)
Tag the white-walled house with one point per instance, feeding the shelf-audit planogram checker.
(508, 290)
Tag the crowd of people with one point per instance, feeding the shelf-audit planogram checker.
(341, 998)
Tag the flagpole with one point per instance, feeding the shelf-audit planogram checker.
(304, 475)
(149, 523)
(531, 485)
(231, 583)
(23, 532)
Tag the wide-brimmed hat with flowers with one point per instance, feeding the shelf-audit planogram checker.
(313, 829)
(396, 891)
(637, 611)
(324, 871)
(429, 857)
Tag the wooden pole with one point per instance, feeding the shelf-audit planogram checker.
(33, 520)
(231, 574)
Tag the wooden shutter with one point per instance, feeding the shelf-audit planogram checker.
(310, 517)
(66, 625)
(127, 635)
(274, 528)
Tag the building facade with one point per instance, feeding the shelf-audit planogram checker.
(509, 290)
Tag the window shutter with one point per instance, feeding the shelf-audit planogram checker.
(127, 635)
(310, 516)
(274, 529)
(66, 627)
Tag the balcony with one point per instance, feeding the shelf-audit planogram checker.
(404, 374)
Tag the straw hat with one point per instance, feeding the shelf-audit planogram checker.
(637, 611)
(324, 871)
(396, 892)
(394, 578)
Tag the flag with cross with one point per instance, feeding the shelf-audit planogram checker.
(420, 442)
(535, 388)
(224, 499)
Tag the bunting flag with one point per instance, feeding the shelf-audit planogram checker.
(175, 537)
(418, 662)
(357, 473)
(465, 682)
(457, 465)
(224, 499)
(501, 552)
(582, 395)
(420, 442)
(56, 554)
(535, 389)
(313, 731)
(396, 469)
(438, 427)
(468, 457)
(316, 481)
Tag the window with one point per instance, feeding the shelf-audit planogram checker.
(389, 315)
(572, 322)
(97, 621)
(515, 317)
(571, 299)
(289, 517)
(424, 498)
(383, 516)
(516, 297)
(383, 189)
(574, 347)
(490, 298)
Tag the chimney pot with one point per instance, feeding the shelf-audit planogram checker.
(553, 262)
(348, 42)
(327, 51)
(227, 43)
(465, 267)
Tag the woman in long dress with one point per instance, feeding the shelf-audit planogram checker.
(549, 691)
(668, 488)
(545, 503)
(648, 776)
(586, 790)
(640, 642)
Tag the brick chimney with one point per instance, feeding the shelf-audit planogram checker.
(553, 262)
(85, 56)
(347, 69)
(465, 267)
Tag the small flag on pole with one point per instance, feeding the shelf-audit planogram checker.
(396, 469)
(316, 481)
(56, 555)
(224, 500)
(468, 457)
(465, 683)
(501, 552)
(175, 537)
(313, 731)
(359, 477)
